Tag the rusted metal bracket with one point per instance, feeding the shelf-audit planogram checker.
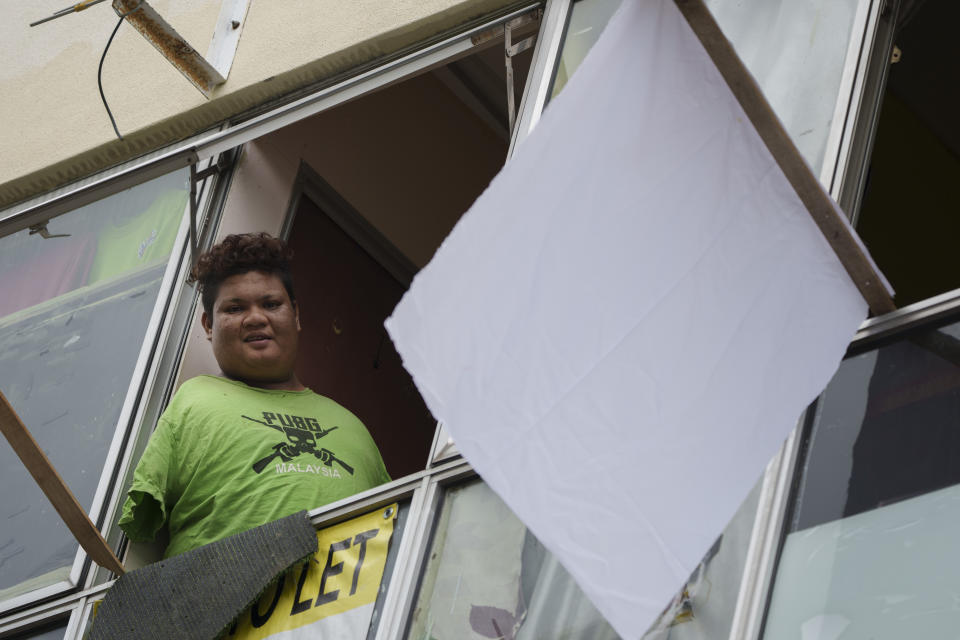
(511, 49)
(170, 44)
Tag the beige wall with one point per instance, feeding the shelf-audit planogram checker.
(55, 129)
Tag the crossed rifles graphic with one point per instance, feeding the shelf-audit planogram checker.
(298, 441)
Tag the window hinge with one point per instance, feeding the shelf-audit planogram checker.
(511, 49)
(196, 177)
(41, 228)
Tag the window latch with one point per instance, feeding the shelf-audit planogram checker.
(511, 49)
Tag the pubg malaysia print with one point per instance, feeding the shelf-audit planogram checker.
(300, 437)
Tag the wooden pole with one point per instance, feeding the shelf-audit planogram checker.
(56, 489)
(818, 202)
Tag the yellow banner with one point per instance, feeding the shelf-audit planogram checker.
(344, 575)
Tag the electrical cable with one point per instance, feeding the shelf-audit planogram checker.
(100, 69)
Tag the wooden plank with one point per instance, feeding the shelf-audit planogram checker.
(56, 489)
(818, 202)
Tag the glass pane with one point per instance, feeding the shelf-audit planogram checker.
(587, 20)
(73, 311)
(877, 507)
(488, 577)
(795, 50)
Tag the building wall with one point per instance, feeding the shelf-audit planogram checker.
(55, 127)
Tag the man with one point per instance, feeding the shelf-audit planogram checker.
(237, 451)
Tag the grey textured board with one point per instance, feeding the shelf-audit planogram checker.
(198, 594)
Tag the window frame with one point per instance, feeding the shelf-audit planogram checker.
(142, 380)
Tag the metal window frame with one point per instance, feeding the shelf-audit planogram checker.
(31, 626)
(140, 382)
(546, 52)
(932, 311)
(850, 95)
(847, 146)
(42, 604)
(864, 114)
(74, 605)
(162, 360)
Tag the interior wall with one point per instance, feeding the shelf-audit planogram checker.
(410, 158)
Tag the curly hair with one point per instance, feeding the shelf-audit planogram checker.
(237, 254)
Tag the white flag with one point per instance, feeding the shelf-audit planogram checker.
(629, 321)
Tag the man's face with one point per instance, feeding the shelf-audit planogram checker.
(254, 329)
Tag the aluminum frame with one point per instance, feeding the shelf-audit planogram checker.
(849, 94)
(553, 24)
(173, 324)
(864, 114)
(141, 381)
(405, 584)
(765, 543)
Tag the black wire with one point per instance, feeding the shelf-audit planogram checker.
(100, 69)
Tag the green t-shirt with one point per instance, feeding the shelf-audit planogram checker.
(226, 457)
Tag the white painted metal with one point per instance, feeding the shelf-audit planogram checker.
(769, 542)
(77, 619)
(851, 86)
(404, 575)
(94, 188)
(36, 617)
(49, 610)
(226, 35)
(755, 550)
(864, 114)
(540, 75)
(36, 595)
(444, 448)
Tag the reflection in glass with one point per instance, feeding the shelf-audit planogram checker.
(877, 508)
(73, 311)
(795, 50)
(587, 20)
(488, 577)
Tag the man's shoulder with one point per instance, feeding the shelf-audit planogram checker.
(201, 390)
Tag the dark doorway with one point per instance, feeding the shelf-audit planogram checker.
(345, 294)
(910, 216)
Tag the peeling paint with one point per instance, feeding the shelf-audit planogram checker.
(170, 44)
